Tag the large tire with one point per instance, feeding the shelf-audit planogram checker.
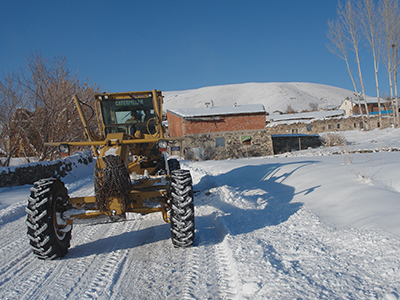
(48, 233)
(173, 164)
(182, 209)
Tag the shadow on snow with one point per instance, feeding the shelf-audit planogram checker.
(269, 205)
(267, 200)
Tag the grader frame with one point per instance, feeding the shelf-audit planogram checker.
(132, 175)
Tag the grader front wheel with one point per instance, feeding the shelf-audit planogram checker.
(182, 209)
(48, 233)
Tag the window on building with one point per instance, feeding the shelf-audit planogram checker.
(361, 124)
(220, 142)
(329, 126)
(355, 125)
(309, 127)
(378, 125)
(246, 139)
(338, 126)
(294, 130)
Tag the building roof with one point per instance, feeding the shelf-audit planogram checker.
(323, 114)
(370, 100)
(217, 110)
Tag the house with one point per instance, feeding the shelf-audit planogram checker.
(351, 106)
(219, 132)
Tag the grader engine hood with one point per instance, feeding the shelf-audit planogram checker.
(114, 147)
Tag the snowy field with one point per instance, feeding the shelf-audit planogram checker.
(304, 225)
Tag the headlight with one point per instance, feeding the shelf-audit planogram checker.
(162, 145)
(64, 149)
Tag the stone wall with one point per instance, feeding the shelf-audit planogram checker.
(29, 173)
(223, 145)
(294, 142)
(327, 125)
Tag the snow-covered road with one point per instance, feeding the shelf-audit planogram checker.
(309, 226)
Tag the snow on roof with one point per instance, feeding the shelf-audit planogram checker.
(305, 116)
(218, 110)
(370, 100)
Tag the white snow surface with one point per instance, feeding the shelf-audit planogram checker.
(275, 96)
(302, 225)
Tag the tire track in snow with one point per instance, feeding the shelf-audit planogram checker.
(192, 267)
(73, 269)
(62, 275)
(21, 289)
(12, 237)
(148, 263)
(200, 273)
(30, 270)
(80, 269)
(99, 285)
(210, 267)
(16, 256)
(230, 283)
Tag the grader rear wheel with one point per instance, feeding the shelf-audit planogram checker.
(182, 209)
(48, 232)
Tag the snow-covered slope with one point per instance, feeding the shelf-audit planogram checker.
(304, 225)
(274, 96)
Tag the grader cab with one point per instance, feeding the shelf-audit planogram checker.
(132, 175)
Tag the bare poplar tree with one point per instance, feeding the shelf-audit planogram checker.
(389, 13)
(396, 67)
(371, 27)
(344, 36)
(348, 17)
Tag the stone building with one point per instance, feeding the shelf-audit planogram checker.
(247, 130)
(219, 132)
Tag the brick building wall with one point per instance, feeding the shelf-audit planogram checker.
(175, 125)
(179, 126)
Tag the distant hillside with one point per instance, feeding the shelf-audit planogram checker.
(273, 95)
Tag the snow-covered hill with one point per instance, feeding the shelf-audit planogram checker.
(274, 96)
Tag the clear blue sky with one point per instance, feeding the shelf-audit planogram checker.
(176, 45)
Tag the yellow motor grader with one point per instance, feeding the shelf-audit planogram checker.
(132, 175)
